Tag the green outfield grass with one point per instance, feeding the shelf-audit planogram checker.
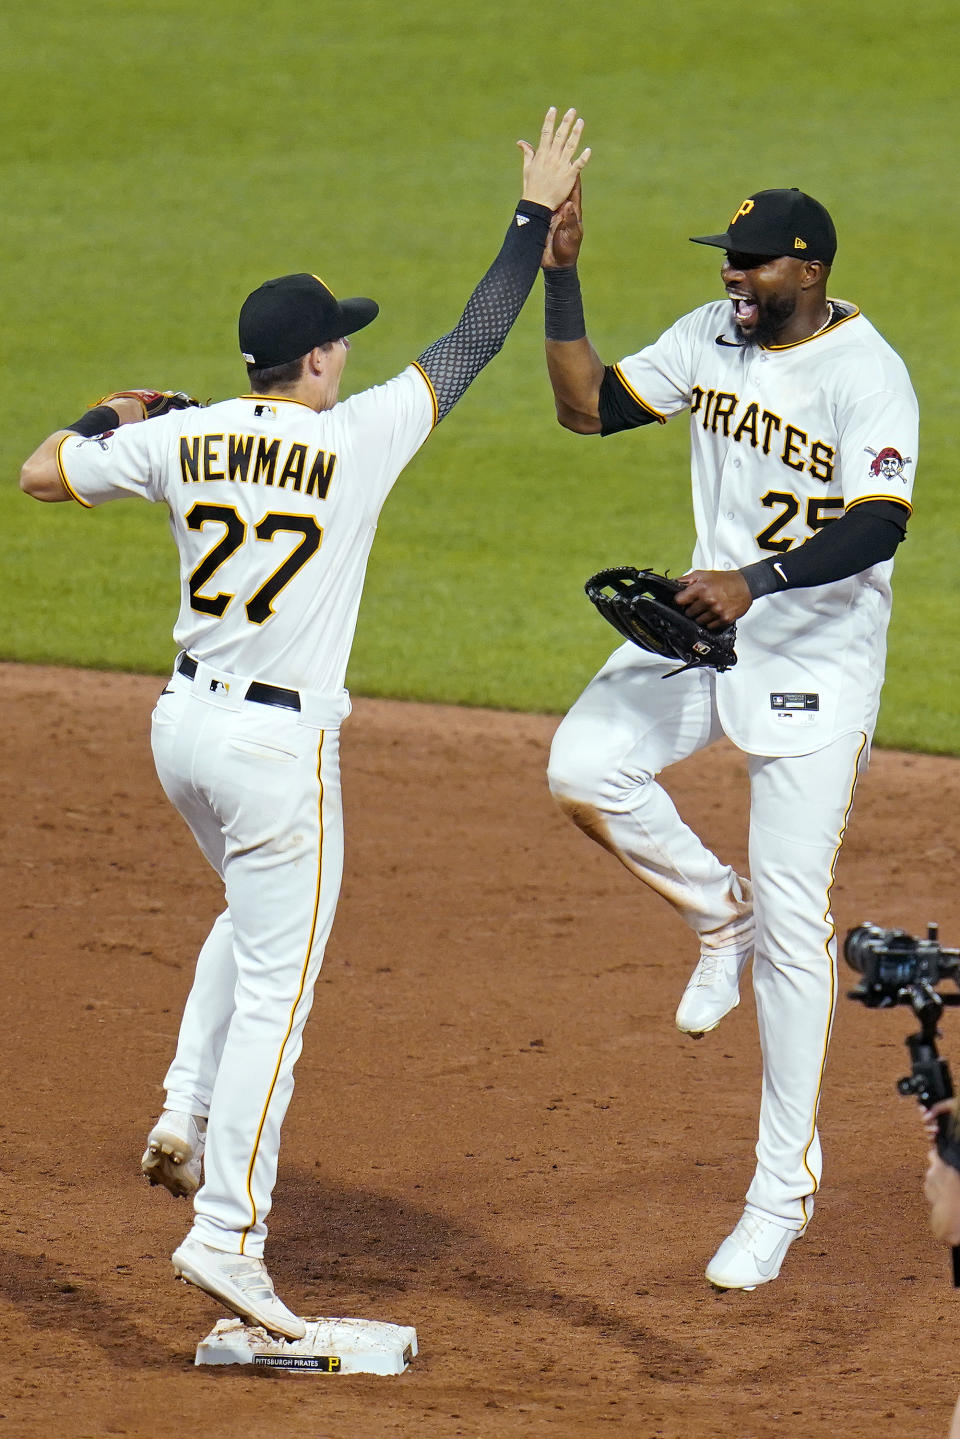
(159, 164)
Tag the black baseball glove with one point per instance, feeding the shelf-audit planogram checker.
(154, 402)
(642, 606)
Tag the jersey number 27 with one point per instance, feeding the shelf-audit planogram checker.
(259, 606)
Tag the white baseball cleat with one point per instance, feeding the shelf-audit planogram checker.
(174, 1152)
(714, 986)
(240, 1283)
(752, 1254)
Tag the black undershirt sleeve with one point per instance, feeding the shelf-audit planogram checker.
(618, 409)
(456, 359)
(866, 535)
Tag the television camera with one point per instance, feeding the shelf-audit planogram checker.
(897, 968)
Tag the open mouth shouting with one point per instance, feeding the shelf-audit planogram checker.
(763, 292)
(746, 311)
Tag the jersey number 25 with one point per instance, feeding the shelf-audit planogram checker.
(817, 516)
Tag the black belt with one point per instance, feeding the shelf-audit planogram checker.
(260, 694)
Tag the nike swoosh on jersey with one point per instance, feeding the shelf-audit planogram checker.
(733, 344)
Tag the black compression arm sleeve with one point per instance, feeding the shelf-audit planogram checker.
(864, 536)
(453, 361)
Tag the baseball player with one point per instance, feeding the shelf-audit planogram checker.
(273, 501)
(803, 429)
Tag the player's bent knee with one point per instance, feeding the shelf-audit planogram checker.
(586, 765)
(580, 774)
(584, 791)
(572, 776)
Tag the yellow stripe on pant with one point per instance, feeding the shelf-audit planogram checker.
(293, 1011)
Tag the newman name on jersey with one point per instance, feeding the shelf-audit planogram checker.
(256, 459)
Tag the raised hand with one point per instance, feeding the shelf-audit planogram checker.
(566, 232)
(551, 171)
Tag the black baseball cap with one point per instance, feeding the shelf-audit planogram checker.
(287, 317)
(779, 222)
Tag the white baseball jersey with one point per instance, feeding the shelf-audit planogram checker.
(273, 509)
(785, 439)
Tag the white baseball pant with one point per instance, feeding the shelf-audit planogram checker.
(259, 787)
(627, 726)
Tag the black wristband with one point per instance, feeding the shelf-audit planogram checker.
(563, 304)
(96, 421)
(762, 578)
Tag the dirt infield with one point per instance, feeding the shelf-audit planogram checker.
(497, 1136)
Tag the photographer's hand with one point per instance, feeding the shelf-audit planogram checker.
(942, 1188)
(931, 1117)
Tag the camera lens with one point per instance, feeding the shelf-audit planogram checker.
(861, 946)
(888, 959)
